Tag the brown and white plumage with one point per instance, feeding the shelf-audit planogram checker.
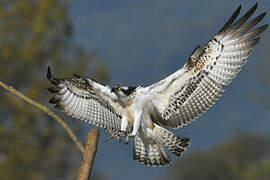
(190, 91)
(155, 154)
(173, 102)
(84, 99)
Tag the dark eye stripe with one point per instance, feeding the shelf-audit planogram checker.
(128, 91)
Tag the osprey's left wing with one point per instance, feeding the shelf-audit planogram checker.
(191, 90)
(85, 99)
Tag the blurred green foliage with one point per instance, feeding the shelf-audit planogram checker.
(246, 157)
(33, 35)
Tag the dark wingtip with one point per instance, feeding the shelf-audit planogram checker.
(58, 106)
(239, 7)
(231, 19)
(261, 16)
(49, 74)
(54, 100)
(53, 89)
(237, 11)
(76, 75)
(263, 28)
(254, 7)
(53, 80)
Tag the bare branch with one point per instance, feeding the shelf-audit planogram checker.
(45, 110)
(89, 154)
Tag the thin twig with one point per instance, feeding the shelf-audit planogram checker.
(45, 110)
(89, 155)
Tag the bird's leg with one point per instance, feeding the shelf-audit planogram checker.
(137, 123)
(124, 123)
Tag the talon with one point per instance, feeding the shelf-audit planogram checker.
(132, 134)
(122, 133)
(125, 135)
(118, 135)
(109, 138)
(125, 143)
(126, 140)
(114, 135)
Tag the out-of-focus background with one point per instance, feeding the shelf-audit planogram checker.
(134, 43)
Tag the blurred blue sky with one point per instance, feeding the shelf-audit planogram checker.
(144, 41)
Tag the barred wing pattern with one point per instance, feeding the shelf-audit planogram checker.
(190, 91)
(84, 99)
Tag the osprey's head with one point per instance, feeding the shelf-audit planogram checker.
(123, 90)
(123, 93)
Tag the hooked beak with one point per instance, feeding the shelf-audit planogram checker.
(113, 90)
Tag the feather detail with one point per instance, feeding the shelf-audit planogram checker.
(80, 98)
(190, 91)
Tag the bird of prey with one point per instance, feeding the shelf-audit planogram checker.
(145, 112)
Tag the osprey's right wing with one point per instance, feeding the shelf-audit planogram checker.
(85, 99)
(190, 91)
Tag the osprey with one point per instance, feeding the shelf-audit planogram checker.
(143, 112)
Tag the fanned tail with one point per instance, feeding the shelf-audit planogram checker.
(174, 143)
(155, 154)
(150, 155)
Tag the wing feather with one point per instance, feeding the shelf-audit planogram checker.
(85, 99)
(190, 91)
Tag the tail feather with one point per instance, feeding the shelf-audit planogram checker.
(150, 155)
(174, 143)
(155, 154)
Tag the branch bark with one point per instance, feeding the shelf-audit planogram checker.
(45, 110)
(89, 154)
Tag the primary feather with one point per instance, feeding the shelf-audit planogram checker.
(190, 91)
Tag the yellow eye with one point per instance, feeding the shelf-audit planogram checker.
(119, 88)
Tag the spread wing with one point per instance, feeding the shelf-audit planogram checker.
(191, 90)
(85, 99)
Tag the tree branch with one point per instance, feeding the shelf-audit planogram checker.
(45, 110)
(89, 154)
